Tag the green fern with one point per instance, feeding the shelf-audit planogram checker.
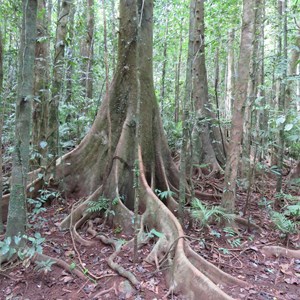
(293, 210)
(102, 204)
(205, 214)
(282, 223)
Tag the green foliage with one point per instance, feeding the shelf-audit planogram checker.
(235, 243)
(293, 210)
(164, 194)
(154, 233)
(44, 265)
(102, 205)
(23, 246)
(229, 231)
(282, 223)
(38, 205)
(205, 214)
(224, 251)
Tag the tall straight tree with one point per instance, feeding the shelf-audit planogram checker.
(281, 91)
(41, 84)
(87, 51)
(203, 148)
(57, 82)
(16, 222)
(236, 133)
(1, 125)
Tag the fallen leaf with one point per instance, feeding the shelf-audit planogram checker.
(67, 279)
(292, 280)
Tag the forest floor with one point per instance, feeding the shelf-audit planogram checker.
(236, 252)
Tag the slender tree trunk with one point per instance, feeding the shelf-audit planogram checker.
(57, 83)
(282, 90)
(106, 62)
(87, 51)
(230, 76)
(247, 34)
(204, 152)
(16, 222)
(185, 115)
(223, 141)
(292, 70)
(262, 117)
(41, 86)
(298, 91)
(177, 77)
(113, 32)
(70, 59)
(164, 65)
(90, 48)
(249, 117)
(1, 125)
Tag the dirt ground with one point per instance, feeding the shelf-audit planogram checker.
(236, 252)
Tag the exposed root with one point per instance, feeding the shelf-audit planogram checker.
(206, 196)
(79, 211)
(247, 223)
(280, 251)
(189, 273)
(42, 257)
(114, 266)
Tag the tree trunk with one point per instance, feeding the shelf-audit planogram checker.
(57, 83)
(70, 59)
(41, 86)
(177, 77)
(164, 64)
(292, 70)
(247, 34)
(17, 205)
(87, 51)
(203, 149)
(1, 125)
(282, 51)
(249, 117)
(106, 63)
(229, 96)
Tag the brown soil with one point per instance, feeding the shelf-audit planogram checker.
(238, 254)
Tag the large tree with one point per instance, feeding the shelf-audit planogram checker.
(105, 163)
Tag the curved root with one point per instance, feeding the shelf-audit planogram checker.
(38, 257)
(189, 273)
(280, 251)
(114, 266)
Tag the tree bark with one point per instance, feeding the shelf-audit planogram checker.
(203, 149)
(41, 86)
(57, 83)
(230, 76)
(249, 117)
(164, 64)
(1, 126)
(282, 51)
(16, 222)
(247, 34)
(177, 77)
